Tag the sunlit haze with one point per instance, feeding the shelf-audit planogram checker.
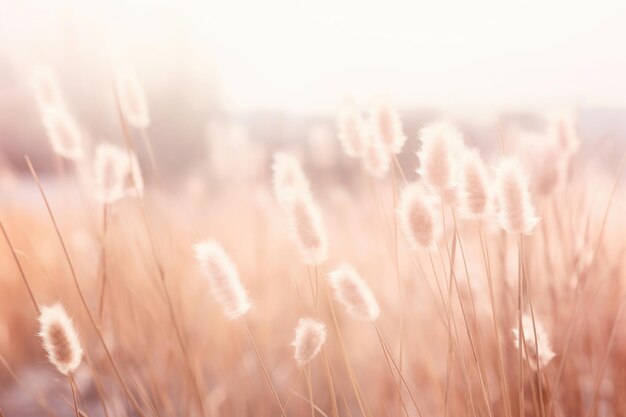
(470, 57)
(289, 208)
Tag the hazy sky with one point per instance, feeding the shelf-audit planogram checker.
(468, 56)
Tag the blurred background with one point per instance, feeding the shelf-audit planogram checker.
(275, 71)
(229, 82)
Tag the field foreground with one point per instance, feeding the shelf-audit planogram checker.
(161, 336)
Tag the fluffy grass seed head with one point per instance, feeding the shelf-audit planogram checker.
(441, 146)
(376, 159)
(516, 213)
(535, 358)
(353, 292)
(64, 133)
(223, 279)
(387, 126)
(288, 178)
(60, 339)
(307, 226)
(351, 130)
(308, 341)
(132, 98)
(563, 129)
(474, 184)
(543, 158)
(111, 170)
(117, 173)
(417, 218)
(133, 181)
(46, 88)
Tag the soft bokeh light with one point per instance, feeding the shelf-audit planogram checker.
(290, 207)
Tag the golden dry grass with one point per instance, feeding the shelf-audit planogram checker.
(574, 263)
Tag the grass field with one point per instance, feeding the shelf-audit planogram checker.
(435, 337)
